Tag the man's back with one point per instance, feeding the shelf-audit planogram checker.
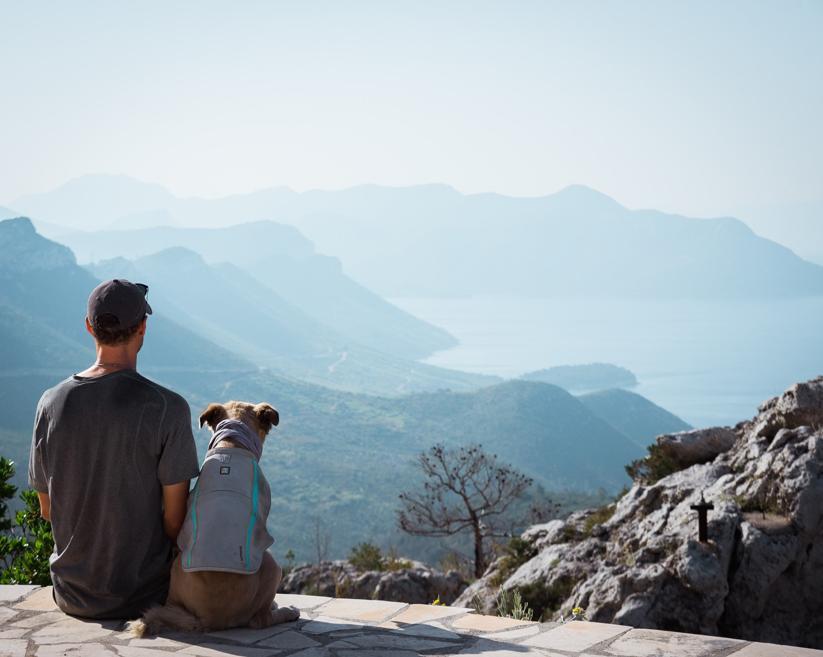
(102, 449)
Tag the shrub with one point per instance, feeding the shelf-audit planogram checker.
(392, 561)
(599, 516)
(366, 556)
(544, 599)
(510, 605)
(653, 467)
(26, 545)
(517, 552)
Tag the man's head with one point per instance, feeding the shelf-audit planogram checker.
(117, 311)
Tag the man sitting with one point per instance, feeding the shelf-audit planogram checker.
(111, 458)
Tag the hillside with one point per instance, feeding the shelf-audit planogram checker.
(232, 308)
(632, 414)
(283, 260)
(431, 240)
(338, 457)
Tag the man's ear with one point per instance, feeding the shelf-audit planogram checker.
(267, 417)
(214, 414)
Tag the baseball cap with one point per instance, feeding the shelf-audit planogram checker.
(124, 300)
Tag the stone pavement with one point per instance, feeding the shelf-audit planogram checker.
(31, 626)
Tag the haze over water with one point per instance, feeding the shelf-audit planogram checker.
(710, 362)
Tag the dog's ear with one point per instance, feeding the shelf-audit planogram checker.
(214, 414)
(267, 417)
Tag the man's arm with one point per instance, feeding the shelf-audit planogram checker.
(45, 505)
(174, 507)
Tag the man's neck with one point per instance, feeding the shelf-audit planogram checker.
(110, 359)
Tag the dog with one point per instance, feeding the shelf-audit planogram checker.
(224, 581)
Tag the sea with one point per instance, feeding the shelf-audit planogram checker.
(709, 362)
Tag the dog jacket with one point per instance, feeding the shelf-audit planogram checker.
(225, 525)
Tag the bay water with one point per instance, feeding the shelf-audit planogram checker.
(711, 362)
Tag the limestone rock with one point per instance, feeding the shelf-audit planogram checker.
(417, 584)
(639, 562)
(697, 446)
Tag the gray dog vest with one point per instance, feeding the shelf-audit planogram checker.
(225, 525)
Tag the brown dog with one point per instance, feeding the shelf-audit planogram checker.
(210, 600)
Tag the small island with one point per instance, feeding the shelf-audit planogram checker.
(585, 378)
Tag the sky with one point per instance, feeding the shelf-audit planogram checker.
(700, 108)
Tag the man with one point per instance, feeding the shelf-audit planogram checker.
(111, 458)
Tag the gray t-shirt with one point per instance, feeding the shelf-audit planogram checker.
(102, 448)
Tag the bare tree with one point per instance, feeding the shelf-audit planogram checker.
(465, 489)
(322, 540)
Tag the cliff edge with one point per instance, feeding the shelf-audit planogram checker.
(639, 561)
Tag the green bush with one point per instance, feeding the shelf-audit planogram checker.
(544, 599)
(516, 553)
(599, 516)
(26, 544)
(510, 605)
(366, 556)
(653, 467)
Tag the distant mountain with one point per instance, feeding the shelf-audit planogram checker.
(337, 456)
(430, 240)
(285, 261)
(633, 415)
(579, 378)
(40, 283)
(94, 201)
(229, 306)
(6, 213)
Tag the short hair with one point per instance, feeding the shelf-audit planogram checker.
(108, 332)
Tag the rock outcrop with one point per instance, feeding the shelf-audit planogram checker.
(639, 562)
(417, 583)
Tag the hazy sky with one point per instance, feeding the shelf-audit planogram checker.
(702, 108)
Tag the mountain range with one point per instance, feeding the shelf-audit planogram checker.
(431, 240)
(338, 457)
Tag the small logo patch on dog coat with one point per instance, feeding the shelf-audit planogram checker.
(225, 469)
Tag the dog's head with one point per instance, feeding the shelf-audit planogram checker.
(259, 417)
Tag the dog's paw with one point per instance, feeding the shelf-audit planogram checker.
(285, 614)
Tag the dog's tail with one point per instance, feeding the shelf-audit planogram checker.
(166, 617)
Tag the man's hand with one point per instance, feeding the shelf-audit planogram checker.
(45, 505)
(174, 507)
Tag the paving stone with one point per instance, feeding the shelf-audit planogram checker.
(13, 648)
(576, 636)
(485, 648)
(13, 592)
(39, 600)
(72, 630)
(227, 650)
(300, 601)
(394, 640)
(774, 650)
(6, 614)
(152, 642)
(131, 651)
(363, 610)
(513, 635)
(325, 624)
(40, 619)
(318, 652)
(248, 636)
(378, 653)
(74, 650)
(289, 641)
(651, 643)
(12, 634)
(422, 613)
(431, 629)
(481, 623)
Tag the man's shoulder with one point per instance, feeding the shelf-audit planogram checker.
(173, 399)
